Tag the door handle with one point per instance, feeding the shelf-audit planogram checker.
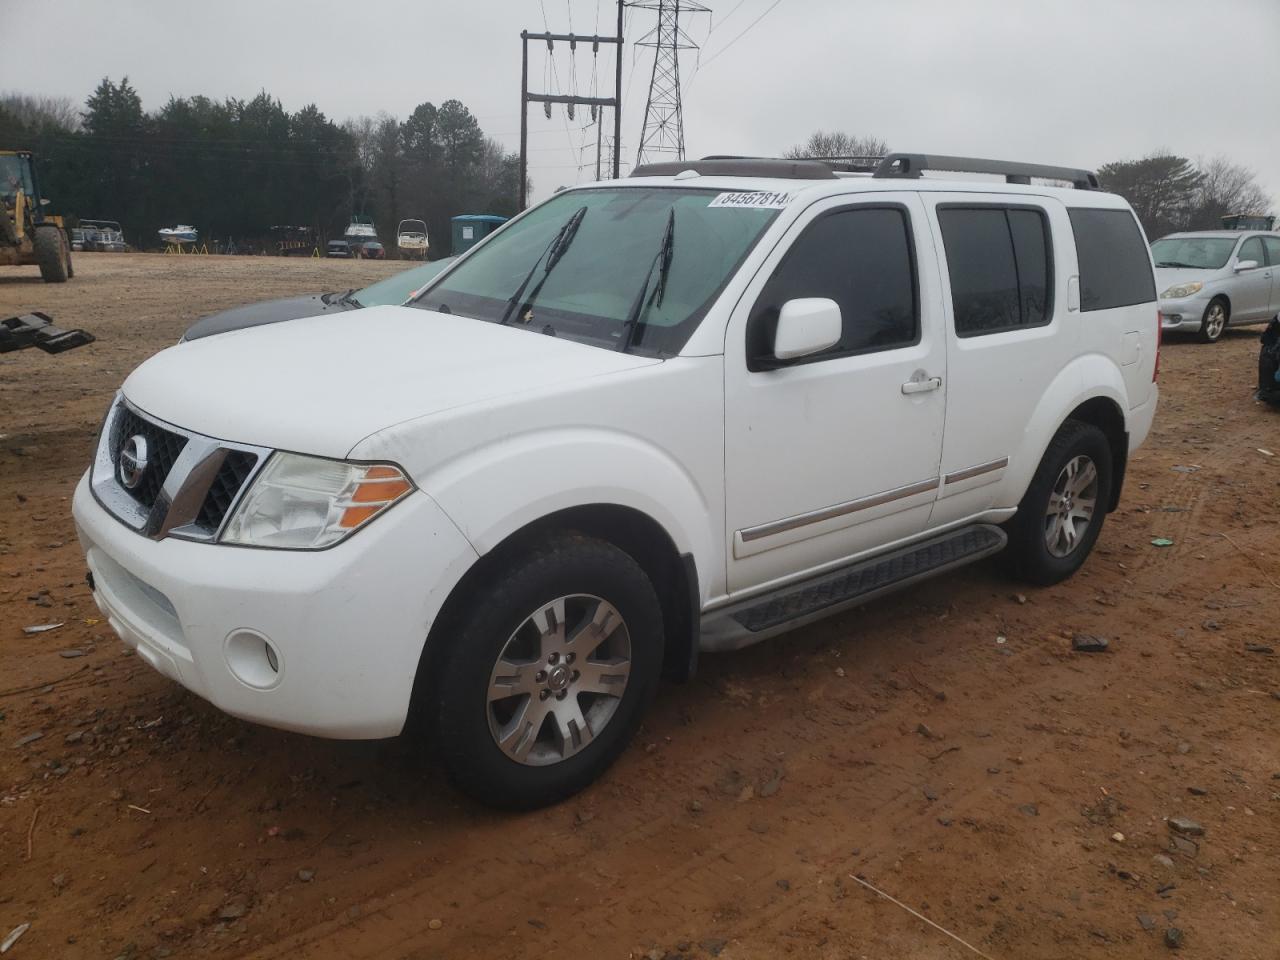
(921, 386)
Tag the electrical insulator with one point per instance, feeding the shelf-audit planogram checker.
(546, 108)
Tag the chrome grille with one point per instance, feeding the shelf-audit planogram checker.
(226, 486)
(190, 483)
(163, 450)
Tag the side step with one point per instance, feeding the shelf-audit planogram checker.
(760, 617)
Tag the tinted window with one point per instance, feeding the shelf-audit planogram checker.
(1273, 250)
(860, 258)
(1251, 249)
(998, 260)
(1114, 267)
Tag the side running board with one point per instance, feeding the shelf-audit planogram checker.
(794, 605)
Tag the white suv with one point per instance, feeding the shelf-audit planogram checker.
(681, 412)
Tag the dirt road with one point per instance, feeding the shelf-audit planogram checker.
(946, 744)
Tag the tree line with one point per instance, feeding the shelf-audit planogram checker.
(237, 168)
(1168, 193)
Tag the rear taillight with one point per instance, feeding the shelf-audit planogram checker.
(1155, 374)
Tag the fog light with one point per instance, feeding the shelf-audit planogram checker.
(253, 659)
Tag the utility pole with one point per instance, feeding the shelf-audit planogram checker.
(663, 130)
(570, 100)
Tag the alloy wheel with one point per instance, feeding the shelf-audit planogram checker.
(1071, 506)
(559, 679)
(1215, 321)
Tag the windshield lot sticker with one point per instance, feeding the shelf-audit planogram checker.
(754, 200)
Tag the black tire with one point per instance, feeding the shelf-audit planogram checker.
(1211, 329)
(1028, 555)
(566, 566)
(50, 255)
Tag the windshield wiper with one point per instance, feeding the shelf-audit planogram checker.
(555, 250)
(1177, 264)
(640, 305)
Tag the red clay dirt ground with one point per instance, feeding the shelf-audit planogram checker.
(946, 744)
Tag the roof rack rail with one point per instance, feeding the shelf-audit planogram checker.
(912, 165)
(849, 164)
(739, 167)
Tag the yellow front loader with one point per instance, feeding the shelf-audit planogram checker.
(29, 236)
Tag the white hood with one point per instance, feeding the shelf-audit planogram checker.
(322, 384)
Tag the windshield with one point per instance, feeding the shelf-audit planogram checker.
(14, 176)
(395, 290)
(1198, 253)
(595, 280)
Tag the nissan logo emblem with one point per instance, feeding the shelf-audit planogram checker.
(133, 461)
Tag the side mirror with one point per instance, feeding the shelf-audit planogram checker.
(1243, 265)
(807, 326)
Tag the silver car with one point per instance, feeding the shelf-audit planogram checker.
(1215, 278)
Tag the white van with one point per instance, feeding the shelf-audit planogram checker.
(677, 413)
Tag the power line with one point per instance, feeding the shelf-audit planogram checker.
(770, 10)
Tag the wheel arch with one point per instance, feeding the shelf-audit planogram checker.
(674, 577)
(1105, 414)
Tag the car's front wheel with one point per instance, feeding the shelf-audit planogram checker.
(1061, 514)
(1214, 321)
(547, 674)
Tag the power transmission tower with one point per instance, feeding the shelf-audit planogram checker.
(663, 131)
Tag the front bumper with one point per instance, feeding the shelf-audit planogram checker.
(345, 626)
(1185, 314)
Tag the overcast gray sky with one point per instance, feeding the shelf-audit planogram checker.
(1079, 82)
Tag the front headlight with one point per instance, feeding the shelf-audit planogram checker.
(1182, 290)
(305, 503)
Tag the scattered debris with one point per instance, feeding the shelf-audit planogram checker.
(1185, 469)
(435, 923)
(1146, 921)
(235, 908)
(1259, 648)
(1029, 809)
(31, 831)
(1087, 643)
(1163, 860)
(1118, 837)
(1185, 826)
(919, 916)
(14, 936)
(695, 806)
(1161, 542)
(41, 628)
(134, 806)
(1173, 938)
(306, 875)
(70, 654)
(1197, 791)
(930, 794)
(1265, 452)
(29, 738)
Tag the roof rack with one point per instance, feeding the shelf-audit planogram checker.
(739, 167)
(912, 165)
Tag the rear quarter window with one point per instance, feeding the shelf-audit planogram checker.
(1115, 268)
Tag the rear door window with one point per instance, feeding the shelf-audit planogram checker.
(1115, 267)
(1001, 267)
(1273, 250)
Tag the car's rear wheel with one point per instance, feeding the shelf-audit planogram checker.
(547, 673)
(1214, 321)
(1061, 514)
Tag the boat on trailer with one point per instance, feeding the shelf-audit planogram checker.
(411, 239)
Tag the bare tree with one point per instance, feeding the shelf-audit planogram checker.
(838, 144)
(35, 111)
(1226, 188)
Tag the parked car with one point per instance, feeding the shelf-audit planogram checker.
(1217, 278)
(393, 290)
(338, 248)
(372, 250)
(682, 412)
